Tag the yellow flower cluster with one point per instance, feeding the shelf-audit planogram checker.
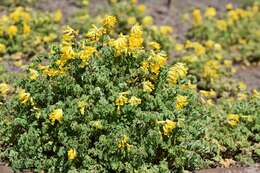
(135, 38)
(87, 52)
(197, 18)
(211, 69)
(131, 20)
(169, 125)
(148, 86)
(57, 16)
(166, 29)
(2, 48)
(198, 48)
(23, 96)
(134, 101)
(233, 119)
(181, 102)
(147, 20)
(95, 33)
(120, 45)
(109, 21)
(19, 15)
(4, 89)
(121, 100)
(33, 74)
(177, 72)
(153, 64)
(123, 143)
(82, 105)
(72, 154)
(210, 12)
(222, 25)
(56, 115)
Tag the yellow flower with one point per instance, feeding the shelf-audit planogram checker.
(136, 37)
(120, 45)
(68, 35)
(154, 45)
(233, 15)
(228, 63)
(179, 47)
(95, 33)
(2, 48)
(211, 69)
(242, 86)
(135, 42)
(67, 52)
(33, 74)
(197, 19)
(178, 71)
(256, 93)
(199, 49)
(109, 21)
(23, 96)
(141, 8)
(72, 154)
(148, 86)
(209, 44)
(26, 29)
(131, 20)
(166, 29)
(210, 12)
(123, 143)
(136, 31)
(87, 53)
(12, 31)
(134, 1)
(233, 119)
(147, 21)
(121, 100)
(221, 25)
(82, 105)
(229, 6)
(208, 94)
(169, 125)
(134, 101)
(57, 16)
(57, 114)
(4, 89)
(181, 102)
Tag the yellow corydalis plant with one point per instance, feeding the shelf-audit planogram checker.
(56, 115)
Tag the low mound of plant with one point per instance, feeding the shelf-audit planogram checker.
(25, 32)
(106, 104)
(237, 30)
(102, 104)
